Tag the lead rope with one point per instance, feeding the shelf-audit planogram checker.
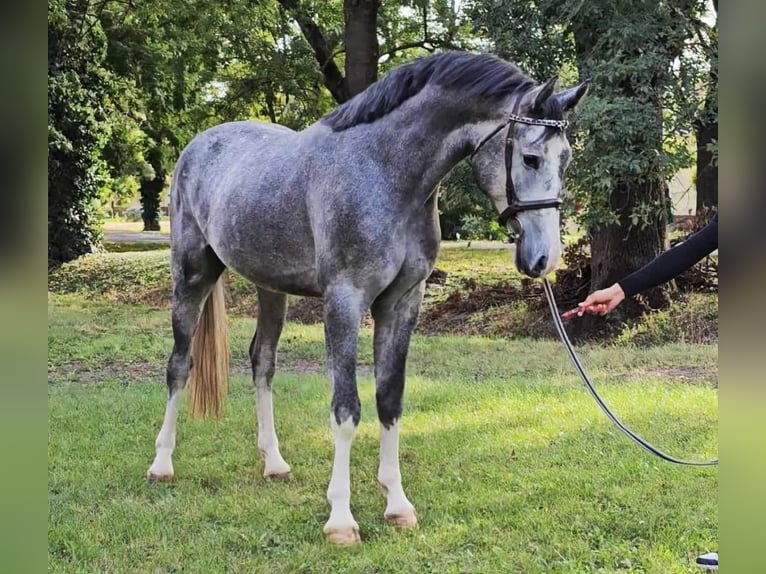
(576, 362)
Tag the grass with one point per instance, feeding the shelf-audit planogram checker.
(133, 246)
(511, 466)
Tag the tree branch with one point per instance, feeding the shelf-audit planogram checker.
(427, 44)
(333, 78)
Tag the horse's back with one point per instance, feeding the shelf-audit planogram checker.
(220, 148)
(236, 184)
(223, 159)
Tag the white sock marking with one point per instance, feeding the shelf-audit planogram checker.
(166, 440)
(267, 435)
(339, 491)
(389, 474)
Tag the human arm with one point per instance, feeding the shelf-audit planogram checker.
(661, 269)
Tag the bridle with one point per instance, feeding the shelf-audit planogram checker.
(515, 205)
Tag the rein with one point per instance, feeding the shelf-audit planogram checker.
(584, 376)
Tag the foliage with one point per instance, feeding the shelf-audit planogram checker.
(78, 88)
(645, 74)
(166, 52)
(268, 71)
(477, 227)
(465, 209)
(694, 318)
(417, 27)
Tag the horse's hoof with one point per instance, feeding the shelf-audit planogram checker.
(275, 467)
(343, 536)
(159, 476)
(274, 475)
(403, 520)
(161, 469)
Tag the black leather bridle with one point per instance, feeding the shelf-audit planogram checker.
(515, 205)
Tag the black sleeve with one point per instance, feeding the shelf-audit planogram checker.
(674, 261)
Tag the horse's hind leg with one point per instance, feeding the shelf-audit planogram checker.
(263, 352)
(195, 273)
(395, 316)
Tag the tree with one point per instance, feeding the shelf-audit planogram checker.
(632, 129)
(406, 29)
(169, 50)
(323, 48)
(77, 117)
(706, 127)
(268, 71)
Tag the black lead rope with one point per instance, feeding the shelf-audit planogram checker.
(576, 362)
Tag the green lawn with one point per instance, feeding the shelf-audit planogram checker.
(134, 226)
(508, 461)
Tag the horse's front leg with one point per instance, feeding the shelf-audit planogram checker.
(395, 318)
(344, 308)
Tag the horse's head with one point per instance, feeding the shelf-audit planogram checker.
(533, 150)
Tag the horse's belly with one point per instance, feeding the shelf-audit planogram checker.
(275, 270)
(301, 283)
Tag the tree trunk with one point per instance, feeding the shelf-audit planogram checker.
(333, 79)
(707, 172)
(620, 249)
(361, 42)
(707, 132)
(151, 189)
(617, 250)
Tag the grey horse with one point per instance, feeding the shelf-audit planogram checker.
(346, 210)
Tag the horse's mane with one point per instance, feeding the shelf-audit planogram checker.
(474, 75)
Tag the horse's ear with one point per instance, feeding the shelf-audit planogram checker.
(571, 97)
(535, 98)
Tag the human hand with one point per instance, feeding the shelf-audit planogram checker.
(599, 302)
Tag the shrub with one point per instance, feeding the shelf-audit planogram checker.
(689, 319)
(460, 197)
(478, 227)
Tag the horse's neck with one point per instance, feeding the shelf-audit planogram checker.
(424, 141)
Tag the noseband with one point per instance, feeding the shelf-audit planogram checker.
(516, 205)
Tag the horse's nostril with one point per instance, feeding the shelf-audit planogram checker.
(541, 263)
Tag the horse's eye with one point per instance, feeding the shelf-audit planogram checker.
(532, 161)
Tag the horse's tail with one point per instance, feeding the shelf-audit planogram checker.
(208, 378)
